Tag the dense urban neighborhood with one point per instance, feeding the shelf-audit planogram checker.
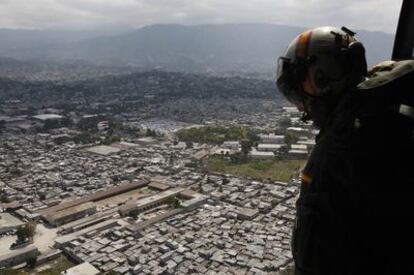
(148, 173)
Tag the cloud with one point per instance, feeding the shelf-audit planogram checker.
(378, 15)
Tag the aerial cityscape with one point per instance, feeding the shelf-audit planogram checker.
(135, 180)
(148, 138)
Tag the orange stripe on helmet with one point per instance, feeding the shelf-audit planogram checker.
(303, 44)
(302, 50)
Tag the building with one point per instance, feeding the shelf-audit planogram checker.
(8, 222)
(96, 228)
(82, 269)
(302, 147)
(268, 147)
(261, 155)
(291, 110)
(244, 213)
(272, 138)
(123, 188)
(18, 256)
(44, 117)
(71, 214)
(160, 186)
(224, 151)
(233, 145)
(148, 202)
(103, 150)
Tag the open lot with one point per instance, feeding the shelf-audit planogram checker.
(122, 198)
(277, 170)
(44, 238)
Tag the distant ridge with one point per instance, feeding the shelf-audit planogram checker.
(201, 48)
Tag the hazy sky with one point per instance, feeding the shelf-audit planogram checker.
(378, 15)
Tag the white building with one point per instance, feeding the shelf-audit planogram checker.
(233, 145)
(44, 117)
(267, 147)
(261, 155)
(272, 138)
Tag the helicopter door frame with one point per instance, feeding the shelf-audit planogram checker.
(404, 37)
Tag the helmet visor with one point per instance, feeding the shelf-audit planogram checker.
(289, 81)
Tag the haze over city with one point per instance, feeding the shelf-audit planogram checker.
(95, 14)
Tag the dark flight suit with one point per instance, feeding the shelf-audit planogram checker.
(355, 213)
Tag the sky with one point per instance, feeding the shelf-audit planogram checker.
(373, 15)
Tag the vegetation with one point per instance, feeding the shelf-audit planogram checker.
(110, 139)
(56, 268)
(26, 231)
(51, 124)
(246, 146)
(151, 133)
(85, 138)
(216, 134)
(60, 265)
(173, 202)
(281, 170)
(291, 138)
(289, 270)
(31, 262)
(3, 196)
(2, 126)
(9, 271)
(89, 124)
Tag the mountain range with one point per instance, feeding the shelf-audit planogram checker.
(201, 48)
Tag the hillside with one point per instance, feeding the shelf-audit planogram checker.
(202, 48)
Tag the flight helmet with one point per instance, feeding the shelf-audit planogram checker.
(320, 63)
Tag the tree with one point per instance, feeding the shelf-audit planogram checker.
(246, 146)
(31, 261)
(26, 231)
(173, 202)
(238, 158)
(290, 138)
(2, 125)
(151, 133)
(285, 123)
(3, 195)
(176, 203)
(51, 124)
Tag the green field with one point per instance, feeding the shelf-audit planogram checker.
(215, 134)
(278, 170)
(8, 271)
(56, 267)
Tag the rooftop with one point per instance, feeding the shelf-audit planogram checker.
(103, 149)
(7, 220)
(82, 269)
(48, 116)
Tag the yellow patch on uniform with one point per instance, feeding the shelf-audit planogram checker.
(306, 178)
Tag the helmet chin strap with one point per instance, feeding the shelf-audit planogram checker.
(305, 114)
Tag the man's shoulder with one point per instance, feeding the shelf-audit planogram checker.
(387, 72)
